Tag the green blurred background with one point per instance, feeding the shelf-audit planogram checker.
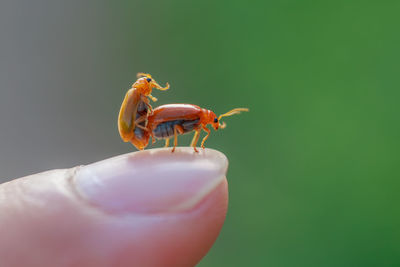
(313, 166)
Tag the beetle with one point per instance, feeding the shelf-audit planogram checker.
(135, 108)
(170, 120)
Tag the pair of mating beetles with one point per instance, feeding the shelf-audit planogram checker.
(138, 121)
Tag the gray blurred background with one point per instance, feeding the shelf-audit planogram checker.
(314, 165)
(65, 67)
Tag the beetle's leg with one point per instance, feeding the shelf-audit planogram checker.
(177, 129)
(146, 101)
(175, 139)
(140, 120)
(166, 142)
(195, 136)
(152, 98)
(195, 139)
(205, 137)
(142, 127)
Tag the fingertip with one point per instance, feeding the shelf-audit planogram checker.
(161, 209)
(152, 181)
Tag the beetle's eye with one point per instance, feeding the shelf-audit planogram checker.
(148, 79)
(215, 120)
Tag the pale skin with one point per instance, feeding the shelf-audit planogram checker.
(63, 218)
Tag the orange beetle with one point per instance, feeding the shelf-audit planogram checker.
(173, 119)
(135, 108)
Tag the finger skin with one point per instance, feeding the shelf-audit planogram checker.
(45, 222)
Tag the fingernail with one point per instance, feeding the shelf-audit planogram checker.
(152, 181)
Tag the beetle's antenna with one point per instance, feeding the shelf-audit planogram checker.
(156, 85)
(232, 112)
(141, 74)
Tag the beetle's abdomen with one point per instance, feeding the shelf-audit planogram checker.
(142, 110)
(166, 129)
(141, 138)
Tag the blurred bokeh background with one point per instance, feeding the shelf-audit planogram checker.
(314, 167)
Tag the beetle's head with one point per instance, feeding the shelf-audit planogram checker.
(145, 83)
(212, 118)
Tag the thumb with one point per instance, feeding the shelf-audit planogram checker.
(148, 208)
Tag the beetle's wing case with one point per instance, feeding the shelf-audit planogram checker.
(127, 115)
(171, 112)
